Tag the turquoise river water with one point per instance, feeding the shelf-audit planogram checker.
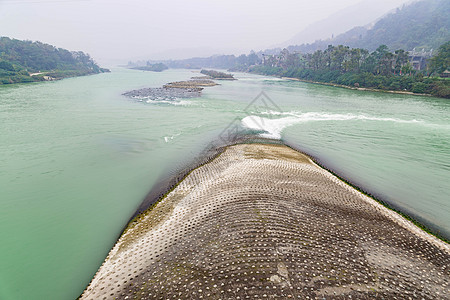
(77, 158)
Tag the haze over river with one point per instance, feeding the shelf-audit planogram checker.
(77, 158)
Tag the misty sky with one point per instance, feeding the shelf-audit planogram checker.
(113, 30)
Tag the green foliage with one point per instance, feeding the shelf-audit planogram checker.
(267, 70)
(440, 88)
(419, 87)
(20, 58)
(441, 62)
(216, 74)
(7, 66)
(420, 24)
(230, 62)
(159, 67)
(380, 69)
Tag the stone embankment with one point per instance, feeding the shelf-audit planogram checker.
(173, 90)
(262, 222)
(194, 83)
(164, 93)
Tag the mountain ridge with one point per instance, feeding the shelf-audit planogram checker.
(422, 24)
(364, 13)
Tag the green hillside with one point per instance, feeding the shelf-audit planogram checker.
(424, 24)
(26, 61)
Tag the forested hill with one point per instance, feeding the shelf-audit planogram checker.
(26, 61)
(423, 24)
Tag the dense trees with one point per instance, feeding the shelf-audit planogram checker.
(7, 66)
(380, 69)
(441, 62)
(239, 63)
(20, 58)
(216, 62)
(158, 67)
(216, 74)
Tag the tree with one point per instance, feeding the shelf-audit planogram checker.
(338, 56)
(353, 61)
(407, 68)
(401, 59)
(383, 60)
(253, 59)
(317, 60)
(6, 66)
(441, 62)
(18, 58)
(294, 60)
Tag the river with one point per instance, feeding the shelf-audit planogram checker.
(77, 158)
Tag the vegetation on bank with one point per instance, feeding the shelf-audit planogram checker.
(26, 61)
(240, 62)
(380, 69)
(217, 75)
(441, 62)
(158, 67)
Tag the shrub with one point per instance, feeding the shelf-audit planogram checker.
(419, 87)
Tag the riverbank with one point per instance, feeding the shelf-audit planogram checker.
(53, 75)
(29, 65)
(357, 88)
(263, 220)
(402, 84)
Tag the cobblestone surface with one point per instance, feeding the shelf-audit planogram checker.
(265, 222)
(164, 93)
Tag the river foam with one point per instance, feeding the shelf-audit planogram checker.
(175, 101)
(276, 122)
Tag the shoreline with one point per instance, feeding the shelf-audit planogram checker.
(355, 88)
(50, 78)
(169, 199)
